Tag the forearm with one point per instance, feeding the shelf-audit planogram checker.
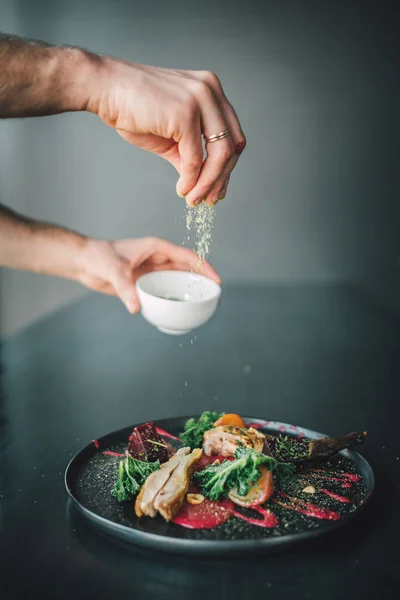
(43, 248)
(38, 79)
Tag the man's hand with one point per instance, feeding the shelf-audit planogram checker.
(165, 111)
(113, 267)
(103, 266)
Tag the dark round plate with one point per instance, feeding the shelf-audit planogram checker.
(91, 474)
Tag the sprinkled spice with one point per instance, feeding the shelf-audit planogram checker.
(199, 225)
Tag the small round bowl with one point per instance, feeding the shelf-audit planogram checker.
(177, 301)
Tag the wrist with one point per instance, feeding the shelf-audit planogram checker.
(78, 72)
(54, 250)
(93, 259)
(102, 71)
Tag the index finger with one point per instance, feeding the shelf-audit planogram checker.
(184, 257)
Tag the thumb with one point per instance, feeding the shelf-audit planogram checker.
(126, 289)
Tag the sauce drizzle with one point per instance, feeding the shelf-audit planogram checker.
(337, 497)
(166, 434)
(268, 521)
(342, 477)
(306, 508)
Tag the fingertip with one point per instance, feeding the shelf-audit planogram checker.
(132, 305)
(178, 191)
(128, 307)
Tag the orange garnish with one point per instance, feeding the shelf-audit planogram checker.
(230, 419)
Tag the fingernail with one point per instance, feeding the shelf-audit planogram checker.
(198, 201)
(179, 194)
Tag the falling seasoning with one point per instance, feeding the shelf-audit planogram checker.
(199, 225)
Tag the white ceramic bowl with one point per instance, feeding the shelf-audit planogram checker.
(177, 301)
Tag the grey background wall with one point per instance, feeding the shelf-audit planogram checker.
(315, 196)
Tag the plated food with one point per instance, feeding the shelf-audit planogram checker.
(220, 484)
(219, 462)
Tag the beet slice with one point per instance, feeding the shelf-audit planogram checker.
(206, 515)
(146, 444)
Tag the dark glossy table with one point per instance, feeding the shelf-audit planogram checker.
(327, 358)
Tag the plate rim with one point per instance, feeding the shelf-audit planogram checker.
(180, 545)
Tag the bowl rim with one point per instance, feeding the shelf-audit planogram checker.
(215, 295)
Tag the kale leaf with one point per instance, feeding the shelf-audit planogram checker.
(192, 435)
(218, 479)
(132, 473)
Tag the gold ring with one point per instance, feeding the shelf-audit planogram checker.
(217, 137)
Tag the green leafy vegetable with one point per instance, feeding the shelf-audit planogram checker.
(132, 474)
(192, 435)
(288, 449)
(218, 479)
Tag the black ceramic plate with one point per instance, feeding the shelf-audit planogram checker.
(91, 474)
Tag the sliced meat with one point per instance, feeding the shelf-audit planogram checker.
(144, 504)
(170, 499)
(225, 440)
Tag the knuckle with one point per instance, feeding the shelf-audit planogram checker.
(193, 163)
(211, 79)
(201, 89)
(242, 141)
(225, 153)
(240, 144)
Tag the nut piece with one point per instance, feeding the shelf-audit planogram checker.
(310, 489)
(195, 498)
